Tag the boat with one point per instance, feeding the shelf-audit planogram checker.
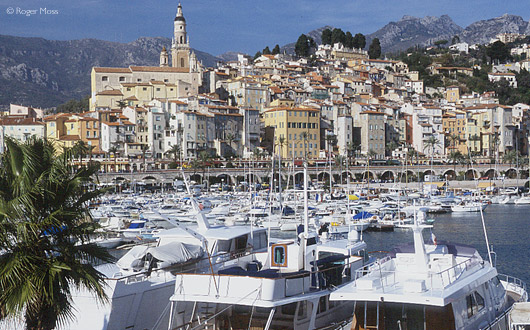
(286, 287)
(141, 282)
(524, 200)
(430, 286)
(469, 207)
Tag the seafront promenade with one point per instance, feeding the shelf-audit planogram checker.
(456, 176)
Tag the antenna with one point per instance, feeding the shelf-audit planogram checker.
(481, 212)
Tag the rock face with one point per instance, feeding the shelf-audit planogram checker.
(483, 31)
(46, 73)
(411, 31)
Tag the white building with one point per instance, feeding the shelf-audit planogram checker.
(344, 133)
(20, 129)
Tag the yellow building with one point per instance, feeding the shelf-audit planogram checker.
(298, 127)
(67, 129)
(452, 94)
(454, 125)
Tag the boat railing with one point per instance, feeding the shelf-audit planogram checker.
(285, 284)
(515, 285)
(438, 280)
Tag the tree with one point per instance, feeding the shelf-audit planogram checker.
(455, 40)
(374, 51)
(266, 51)
(121, 104)
(455, 157)
(75, 106)
(359, 41)
(144, 148)
(431, 143)
(276, 50)
(348, 40)
(326, 37)
(257, 55)
(44, 237)
(440, 43)
(498, 51)
(337, 35)
(303, 46)
(114, 151)
(175, 150)
(230, 138)
(79, 150)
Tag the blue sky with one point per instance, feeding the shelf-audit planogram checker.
(217, 26)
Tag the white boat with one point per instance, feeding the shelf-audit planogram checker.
(286, 287)
(524, 200)
(469, 207)
(140, 284)
(430, 286)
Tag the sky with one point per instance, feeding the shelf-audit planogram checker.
(216, 26)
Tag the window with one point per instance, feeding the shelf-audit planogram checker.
(279, 255)
(475, 303)
(122, 78)
(104, 78)
(158, 89)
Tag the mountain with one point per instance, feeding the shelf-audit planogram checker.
(482, 31)
(315, 34)
(45, 73)
(411, 31)
(229, 56)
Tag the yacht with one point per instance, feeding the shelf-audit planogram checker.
(430, 286)
(141, 282)
(469, 207)
(285, 287)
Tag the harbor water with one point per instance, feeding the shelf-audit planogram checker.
(508, 228)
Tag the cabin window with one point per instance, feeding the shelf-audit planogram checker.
(279, 255)
(223, 245)
(241, 243)
(289, 309)
(322, 305)
(475, 303)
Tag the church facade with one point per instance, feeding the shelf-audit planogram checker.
(138, 85)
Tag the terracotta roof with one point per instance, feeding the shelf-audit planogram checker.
(178, 102)
(291, 109)
(372, 112)
(69, 138)
(111, 70)
(110, 92)
(7, 121)
(159, 69)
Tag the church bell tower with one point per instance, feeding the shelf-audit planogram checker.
(180, 48)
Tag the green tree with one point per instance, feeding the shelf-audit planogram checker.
(359, 41)
(75, 106)
(348, 40)
(431, 143)
(121, 104)
(326, 37)
(114, 151)
(79, 150)
(337, 35)
(257, 55)
(303, 46)
(455, 157)
(455, 40)
(374, 51)
(44, 237)
(175, 150)
(498, 51)
(276, 50)
(440, 43)
(144, 148)
(266, 51)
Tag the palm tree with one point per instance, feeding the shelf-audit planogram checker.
(114, 150)
(431, 143)
(303, 136)
(144, 148)
(80, 149)
(122, 104)
(175, 151)
(44, 237)
(510, 157)
(455, 157)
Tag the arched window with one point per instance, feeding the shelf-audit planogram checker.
(181, 39)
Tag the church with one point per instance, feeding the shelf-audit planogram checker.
(138, 85)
